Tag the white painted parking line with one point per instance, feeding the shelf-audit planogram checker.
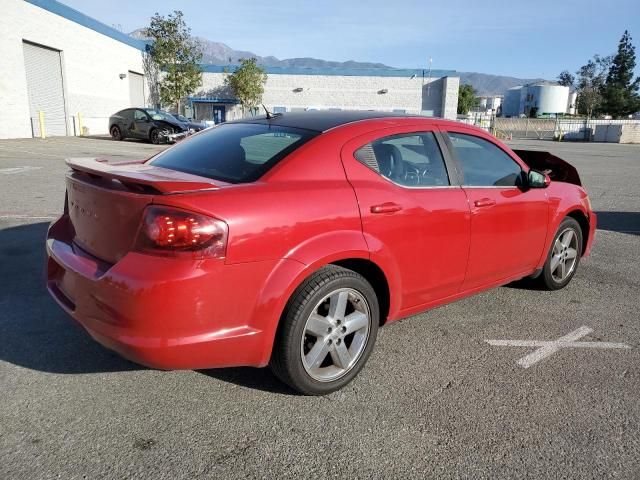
(14, 151)
(14, 170)
(548, 348)
(22, 217)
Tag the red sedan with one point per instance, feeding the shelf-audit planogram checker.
(288, 240)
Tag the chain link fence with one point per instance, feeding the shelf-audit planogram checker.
(576, 129)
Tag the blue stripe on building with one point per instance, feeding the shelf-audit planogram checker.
(88, 22)
(339, 71)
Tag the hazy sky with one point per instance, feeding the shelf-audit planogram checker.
(535, 38)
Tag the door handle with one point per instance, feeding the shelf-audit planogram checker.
(387, 207)
(484, 202)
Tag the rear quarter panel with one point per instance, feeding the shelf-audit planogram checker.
(302, 215)
(281, 215)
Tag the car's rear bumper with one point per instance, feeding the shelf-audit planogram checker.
(161, 312)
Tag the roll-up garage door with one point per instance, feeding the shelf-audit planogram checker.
(44, 86)
(136, 89)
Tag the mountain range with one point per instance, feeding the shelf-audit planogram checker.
(218, 53)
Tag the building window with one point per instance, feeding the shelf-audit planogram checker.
(279, 109)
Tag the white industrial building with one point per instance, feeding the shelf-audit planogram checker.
(298, 89)
(57, 61)
(537, 99)
(64, 73)
(489, 104)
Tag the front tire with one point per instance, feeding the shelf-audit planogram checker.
(564, 256)
(327, 332)
(154, 136)
(116, 133)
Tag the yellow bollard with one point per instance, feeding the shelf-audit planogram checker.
(42, 130)
(79, 122)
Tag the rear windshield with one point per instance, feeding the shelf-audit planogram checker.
(235, 152)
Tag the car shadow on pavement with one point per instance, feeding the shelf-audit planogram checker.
(526, 283)
(622, 222)
(34, 332)
(108, 137)
(253, 378)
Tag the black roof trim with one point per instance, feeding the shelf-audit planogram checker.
(321, 120)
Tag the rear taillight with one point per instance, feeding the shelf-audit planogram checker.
(172, 231)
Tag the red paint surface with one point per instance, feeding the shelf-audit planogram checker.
(317, 206)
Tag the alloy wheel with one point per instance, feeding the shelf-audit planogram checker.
(564, 256)
(335, 334)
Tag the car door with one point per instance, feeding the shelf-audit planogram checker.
(141, 124)
(411, 212)
(508, 220)
(125, 121)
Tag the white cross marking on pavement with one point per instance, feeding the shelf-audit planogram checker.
(12, 170)
(547, 348)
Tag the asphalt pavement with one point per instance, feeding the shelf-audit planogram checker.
(436, 400)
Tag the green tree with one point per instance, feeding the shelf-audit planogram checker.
(177, 55)
(566, 79)
(247, 83)
(590, 79)
(467, 99)
(620, 91)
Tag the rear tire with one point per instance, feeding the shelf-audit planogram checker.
(116, 133)
(327, 332)
(563, 257)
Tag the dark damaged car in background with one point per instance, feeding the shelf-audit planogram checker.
(150, 124)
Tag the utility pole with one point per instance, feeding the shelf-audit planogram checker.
(429, 84)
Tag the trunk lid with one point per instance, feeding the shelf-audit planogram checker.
(559, 170)
(106, 201)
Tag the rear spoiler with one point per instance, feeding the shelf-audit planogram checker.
(139, 176)
(557, 169)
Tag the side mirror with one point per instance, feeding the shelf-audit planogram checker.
(537, 179)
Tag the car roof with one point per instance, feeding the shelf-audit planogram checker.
(322, 120)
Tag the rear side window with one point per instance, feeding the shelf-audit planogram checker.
(126, 114)
(412, 160)
(235, 152)
(483, 163)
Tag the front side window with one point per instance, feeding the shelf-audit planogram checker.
(235, 152)
(483, 163)
(412, 160)
(160, 115)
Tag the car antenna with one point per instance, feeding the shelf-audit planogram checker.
(269, 114)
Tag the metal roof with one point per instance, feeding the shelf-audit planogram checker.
(339, 71)
(86, 21)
